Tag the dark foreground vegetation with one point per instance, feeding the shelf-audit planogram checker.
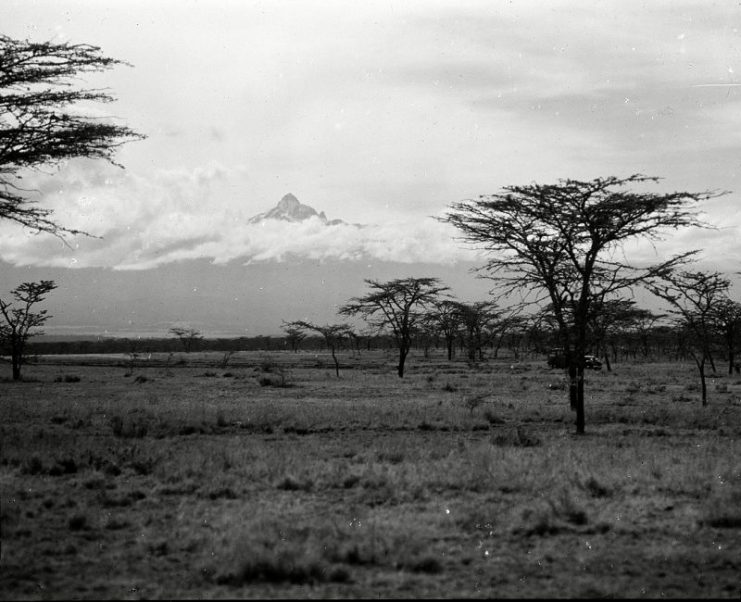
(262, 474)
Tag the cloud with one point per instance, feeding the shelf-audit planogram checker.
(179, 215)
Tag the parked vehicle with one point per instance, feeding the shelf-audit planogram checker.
(557, 359)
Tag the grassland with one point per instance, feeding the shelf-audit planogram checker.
(182, 476)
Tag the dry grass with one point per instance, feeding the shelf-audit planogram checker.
(194, 482)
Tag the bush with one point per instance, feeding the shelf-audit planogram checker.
(67, 378)
(491, 417)
(77, 522)
(516, 437)
(274, 380)
(724, 510)
(129, 427)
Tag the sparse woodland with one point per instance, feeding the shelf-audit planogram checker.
(423, 448)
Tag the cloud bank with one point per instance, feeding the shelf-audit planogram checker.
(179, 215)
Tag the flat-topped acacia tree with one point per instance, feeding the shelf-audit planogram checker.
(18, 320)
(333, 335)
(560, 244)
(400, 305)
(694, 297)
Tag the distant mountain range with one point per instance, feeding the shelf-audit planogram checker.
(290, 209)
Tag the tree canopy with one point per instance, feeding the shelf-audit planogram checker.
(559, 244)
(41, 123)
(18, 319)
(399, 305)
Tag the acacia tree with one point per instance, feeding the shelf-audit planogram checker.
(693, 298)
(294, 336)
(333, 335)
(726, 318)
(558, 243)
(19, 319)
(189, 337)
(503, 324)
(39, 123)
(615, 315)
(446, 319)
(400, 305)
(475, 317)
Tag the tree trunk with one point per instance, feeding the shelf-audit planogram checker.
(731, 361)
(336, 363)
(703, 384)
(712, 363)
(402, 358)
(580, 401)
(16, 353)
(573, 386)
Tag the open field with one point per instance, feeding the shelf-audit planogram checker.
(270, 477)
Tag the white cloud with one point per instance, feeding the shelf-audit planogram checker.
(182, 215)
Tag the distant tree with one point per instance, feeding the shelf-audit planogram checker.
(615, 316)
(503, 323)
(643, 326)
(560, 244)
(19, 319)
(726, 318)
(399, 305)
(189, 337)
(294, 336)
(475, 318)
(444, 316)
(694, 297)
(333, 335)
(40, 123)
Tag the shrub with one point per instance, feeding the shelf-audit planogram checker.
(291, 483)
(474, 402)
(77, 522)
(67, 378)
(595, 488)
(491, 417)
(724, 510)
(516, 436)
(33, 466)
(553, 517)
(129, 427)
(274, 380)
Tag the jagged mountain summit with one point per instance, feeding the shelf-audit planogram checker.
(290, 209)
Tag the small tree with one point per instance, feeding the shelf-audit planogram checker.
(446, 319)
(475, 318)
(189, 337)
(38, 128)
(726, 319)
(294, 336)
(616, 315)
(399, 305)
(19, 319)
(333, 335)
(693, 298)
(560, 244)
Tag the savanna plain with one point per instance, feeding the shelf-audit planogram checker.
(262, 474)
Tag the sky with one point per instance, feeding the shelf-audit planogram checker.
(381, 113)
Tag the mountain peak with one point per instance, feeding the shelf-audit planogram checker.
(288, 202)
(290, 209)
